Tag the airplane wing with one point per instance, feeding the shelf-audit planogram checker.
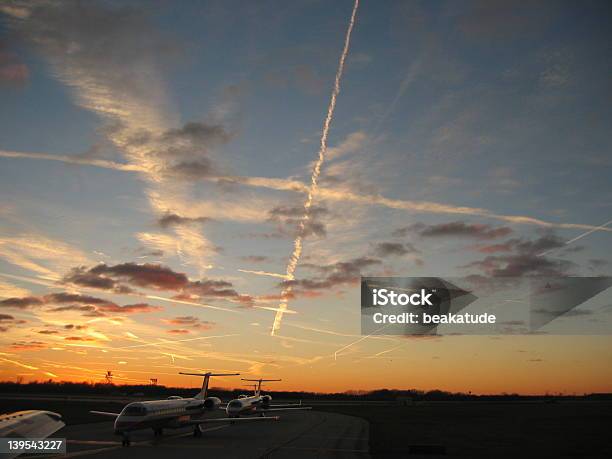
(195, 422)
(105, 413)
(289, 405)
(266, 410)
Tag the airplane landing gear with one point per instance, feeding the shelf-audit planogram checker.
(126, 440)
(158, 432)
(197, 432)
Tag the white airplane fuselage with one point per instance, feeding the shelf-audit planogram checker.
(158, 414)
(246, 405)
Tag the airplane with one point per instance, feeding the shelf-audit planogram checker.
(173, 413)
(257, 403)
(29, 424)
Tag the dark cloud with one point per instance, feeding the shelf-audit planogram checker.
(178, 331)
(130, 308)
(525, 258)
(147, 275)
(191, 170)
(85, 310)
(28, 346)
(168, 220)
(48, 332)
(337, 274)
(255, 258)
(87, 305)
(386, 249)
(21, 303)
(218, 288)
(455, 229)
(74, 327)
(199, 133)
(191, 322)
(151, 276)
(7, 321)
(62, 298)
(288, 219)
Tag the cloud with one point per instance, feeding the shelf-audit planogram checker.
(40, 254)
(386, 249)
(178, 331)
(333, 275)
(8, 290)
(255, 258)
(7, 321)
(124, 276)
(89, 306)
(455, 229)
(525, 259)
(28, 346)
(12, 70)
(288, 219)
(129, 308)
(113, 59)
(21, 303)
(190, 322)
(111, 277)
(168, 220)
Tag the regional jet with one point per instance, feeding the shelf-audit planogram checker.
(173, 413)
(257, 403)
(29, 424)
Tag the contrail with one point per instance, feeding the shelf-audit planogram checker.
(580, 236)
(264, 273)
(296, 186)
(103, 163)
(316, 171)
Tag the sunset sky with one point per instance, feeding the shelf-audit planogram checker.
(156, 157)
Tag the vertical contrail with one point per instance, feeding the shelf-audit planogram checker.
(316, 171)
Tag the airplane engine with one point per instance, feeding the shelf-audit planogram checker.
(266, 399)
(211, 403)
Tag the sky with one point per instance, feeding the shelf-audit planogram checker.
(177, 179)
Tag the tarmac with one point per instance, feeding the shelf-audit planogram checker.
(296, 435)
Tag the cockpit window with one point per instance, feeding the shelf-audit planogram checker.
(135, 410)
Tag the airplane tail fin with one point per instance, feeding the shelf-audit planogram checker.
(204, 392)
(259, 381)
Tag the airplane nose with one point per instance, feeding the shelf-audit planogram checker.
(122, 426)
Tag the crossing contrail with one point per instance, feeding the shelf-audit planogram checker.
(314, 178)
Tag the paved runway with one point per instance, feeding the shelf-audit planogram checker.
(295, 435)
